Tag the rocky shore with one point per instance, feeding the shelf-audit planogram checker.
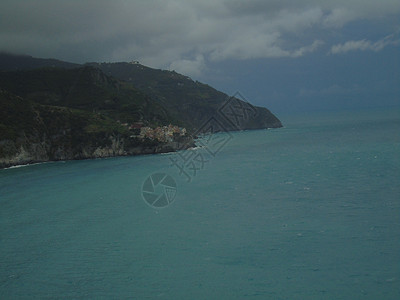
(44, 151)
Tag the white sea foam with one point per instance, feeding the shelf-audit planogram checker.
(196, 148)
(32, 164)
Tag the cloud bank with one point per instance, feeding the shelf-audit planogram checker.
(364, 45)
(183, 35)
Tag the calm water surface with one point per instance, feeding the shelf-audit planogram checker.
(309, 211)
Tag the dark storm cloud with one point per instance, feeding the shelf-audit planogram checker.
(182, 35)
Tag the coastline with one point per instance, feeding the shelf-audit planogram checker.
(22, 159)
(18, 161)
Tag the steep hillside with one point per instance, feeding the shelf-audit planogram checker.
(13, 62)
(60, 114)
(191, 101)
(86, 88)
(66, 111)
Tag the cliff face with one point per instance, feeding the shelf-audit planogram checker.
(27, 151)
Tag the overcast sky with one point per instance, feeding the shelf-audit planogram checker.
(284, 54)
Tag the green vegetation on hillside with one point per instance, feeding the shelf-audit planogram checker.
(188, 100)
(52, 110)
(88, 89)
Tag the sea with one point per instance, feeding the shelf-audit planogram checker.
(307, 211)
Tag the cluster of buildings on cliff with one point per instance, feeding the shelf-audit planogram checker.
(162, 133)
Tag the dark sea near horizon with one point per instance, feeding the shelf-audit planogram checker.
(308, 211)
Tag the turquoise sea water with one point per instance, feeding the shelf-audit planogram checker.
(309, 211)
